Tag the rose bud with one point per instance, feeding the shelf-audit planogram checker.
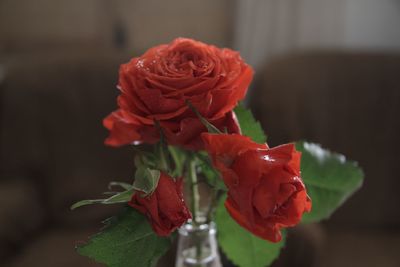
(265, 190)
(164, 208)
(158, 85)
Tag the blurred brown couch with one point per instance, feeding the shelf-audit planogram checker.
(52, 151)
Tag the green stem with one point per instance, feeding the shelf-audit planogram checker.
(178, 157)
(195, 190)
(161, 148)
(212, 207)
(195, 205)
(163, 159)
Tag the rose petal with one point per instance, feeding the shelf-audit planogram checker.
(121, 133)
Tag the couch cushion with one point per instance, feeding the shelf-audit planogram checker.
(366, 248)
(53, 106)
(21, 214)
(54, 248)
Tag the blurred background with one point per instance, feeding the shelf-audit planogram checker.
(326, 71)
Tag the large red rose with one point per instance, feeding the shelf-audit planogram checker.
(156, 86)
(165, 207)
(265, 191)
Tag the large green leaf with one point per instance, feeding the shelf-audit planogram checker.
(126, 241)
(240, 246)
(330, 179)
(249, 126)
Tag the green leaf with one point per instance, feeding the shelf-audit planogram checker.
(86, 202)
(330, 179)
(213, 178)
(145, 159)
(120, 197)
(123, 185)
(249, 126)
(146, 180)
(242, 247)
(126, 241)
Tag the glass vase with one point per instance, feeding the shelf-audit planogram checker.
(197, 246)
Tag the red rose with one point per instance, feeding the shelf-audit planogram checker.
(157, 85)
(165, 208)
(265, 190)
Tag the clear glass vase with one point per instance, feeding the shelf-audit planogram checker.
(197, 246)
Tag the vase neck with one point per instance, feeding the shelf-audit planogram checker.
(197, 246)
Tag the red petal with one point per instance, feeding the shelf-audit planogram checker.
(121, 133)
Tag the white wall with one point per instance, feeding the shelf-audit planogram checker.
(372, 24)
(268, 28)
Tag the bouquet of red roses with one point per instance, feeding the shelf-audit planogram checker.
(179, 106)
